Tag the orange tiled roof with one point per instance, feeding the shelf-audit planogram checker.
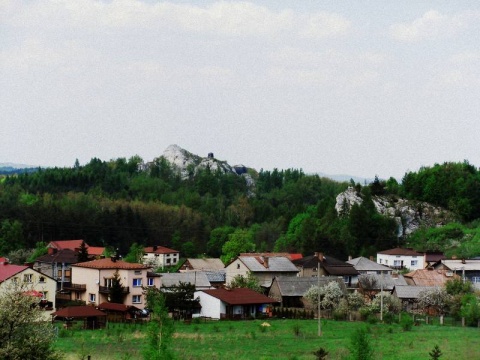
(95, 250)
(108, 263)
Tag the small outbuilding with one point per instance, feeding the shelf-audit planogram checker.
(92, 317)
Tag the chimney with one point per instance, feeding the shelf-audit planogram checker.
(371, 258)
(155, 247)
(320, 256)
(265, 261)
(349, 257)
(463, 261)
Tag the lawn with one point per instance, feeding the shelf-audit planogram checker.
(283, 339)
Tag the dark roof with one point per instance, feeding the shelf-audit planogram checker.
(116, 307)
(434, 256)
(67, 256)
(240, 296)
(400, 251)
(78, 312)
(331, 265)
(298, 286)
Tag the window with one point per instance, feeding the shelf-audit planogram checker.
(28, 278)
(138, 272)
(238, 266)
(397, 263)
(168, 261)
(107, 282)
(136, 299)
(150, 282)
(77, 295)
(92, 298)
(476, 279)
(137, 282)
(42, 279)
(379, 261)
(386, 261)
(413, 263)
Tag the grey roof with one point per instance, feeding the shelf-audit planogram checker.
(374, 281)
(215, 276)
(298, 286)
(206, 264)
(275, 264)
(467, 265)
(199, 279)
(410, 292)
(364, 264)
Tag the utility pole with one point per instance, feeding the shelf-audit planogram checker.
(318, 300)
(381, 298)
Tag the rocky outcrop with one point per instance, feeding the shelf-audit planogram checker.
(188, 164)
(410, 215)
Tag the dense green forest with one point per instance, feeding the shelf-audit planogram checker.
(115, 203)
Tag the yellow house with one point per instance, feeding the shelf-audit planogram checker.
(32, 282)
(92, 280)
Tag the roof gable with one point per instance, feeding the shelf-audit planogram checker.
(400, 251)
(9, 270)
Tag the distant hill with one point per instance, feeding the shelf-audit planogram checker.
(11, 168)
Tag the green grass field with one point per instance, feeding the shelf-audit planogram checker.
(284, 339)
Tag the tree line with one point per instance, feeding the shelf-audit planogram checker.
(117, 203)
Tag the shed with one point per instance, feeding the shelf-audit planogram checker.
(92, 317)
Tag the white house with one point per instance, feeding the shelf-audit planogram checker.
(240, 303)
(32, 282)
(399, 258)
(160, 256)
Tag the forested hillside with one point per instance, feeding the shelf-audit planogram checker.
(119, 202)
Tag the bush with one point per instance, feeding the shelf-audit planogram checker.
(406, 322)
(360, 346)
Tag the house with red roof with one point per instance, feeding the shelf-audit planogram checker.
(240, 303)
(74, 245)
(160, 256)
(92, 280)
(32, 282)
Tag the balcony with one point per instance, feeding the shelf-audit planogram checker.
(106, 290)
(74, 287)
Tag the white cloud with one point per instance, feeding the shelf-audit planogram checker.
(322, 25)
(433, 25)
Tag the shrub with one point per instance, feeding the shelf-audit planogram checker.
(360, 346)
(406, 322)
(296, 330)
(435, 353)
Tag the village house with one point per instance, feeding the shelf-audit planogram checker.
(205, 264)
(468, 269)
(160, 256)
(263, 268)
(399, 259)
(32, 282)
(289, 290)
(240, 303)
(409, 296)
(75, 245)
(57, 264)
(319, 264)
(92, 280)
(430, 277)
(371, 284)
(367, 266)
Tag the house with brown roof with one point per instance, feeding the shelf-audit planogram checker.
(313, 265)
(92, 280)
(399, 258)
(30, 281)
(57, 264)
(205, 264)
(430, 277)
(92, 317)
(160, 256)
(240, 303)
(263, 268)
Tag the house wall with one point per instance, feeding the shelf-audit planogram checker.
(402, 260)
(94, 278)
(160, 260)
(211, 306)
(233, 269)
(38, 282)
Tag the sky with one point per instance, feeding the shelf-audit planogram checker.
(362, 88)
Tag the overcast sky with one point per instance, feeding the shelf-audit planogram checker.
(340, 87)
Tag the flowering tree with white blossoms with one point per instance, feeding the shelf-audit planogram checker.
(435, 298)
(330, 295)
